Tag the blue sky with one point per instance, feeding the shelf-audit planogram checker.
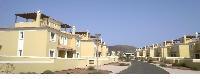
(131, 22)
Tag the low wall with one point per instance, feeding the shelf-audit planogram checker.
(196, 60)
(40, 64)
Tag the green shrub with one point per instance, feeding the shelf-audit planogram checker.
(91, 68)
(142, 59)
(150, 61)
(162, 65)
(48, 72)
(181, 64)
(167, 62)
(123, 64)
(194, 68)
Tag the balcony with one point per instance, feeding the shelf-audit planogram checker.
(26, 24)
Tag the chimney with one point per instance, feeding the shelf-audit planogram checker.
(101, 40)
(172, 42)
(165, 43)
(153, 45)
(38, 17)
(197, 34)
(184, 39)
(87, 33)
(73, 30)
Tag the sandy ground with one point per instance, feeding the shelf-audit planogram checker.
(178, 71)
(114, 69)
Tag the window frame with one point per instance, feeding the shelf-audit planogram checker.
(91, 61)
(20, 54)
(54, 53)
(54, 38)
(78, 42)
(65, 40)
(21, 37)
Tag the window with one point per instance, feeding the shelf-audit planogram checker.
(197, 56)
(52, 53)
(173, 55)
(21, 35)
(78, 43)
(20, 52)
(91, 61)
(0, 47)
(77, 54)
(65, 40)
(61, 40)
(52, 37)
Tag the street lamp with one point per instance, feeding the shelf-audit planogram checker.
(97, 51)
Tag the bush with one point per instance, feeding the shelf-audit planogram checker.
(7, 68)
(48, 72)
(194, 68)
(181, 64)
(142, 59)
(168, 61)
(162, 65)
(150, 61)
(91, 68)
(123, 64)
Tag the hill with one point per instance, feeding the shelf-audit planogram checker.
(123, 48)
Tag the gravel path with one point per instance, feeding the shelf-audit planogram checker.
(139, 67)
(114, 69)
(179, 71)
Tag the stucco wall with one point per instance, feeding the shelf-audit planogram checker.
(104, 51)
(184, 51)
(39, 65)
(35, 43)
(9, 42)
(87, 49)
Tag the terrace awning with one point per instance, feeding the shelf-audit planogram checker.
(65, 26)
(30, 15)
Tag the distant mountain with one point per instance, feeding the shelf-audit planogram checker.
(123, 48)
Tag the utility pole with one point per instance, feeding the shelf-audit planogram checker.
(97, 52)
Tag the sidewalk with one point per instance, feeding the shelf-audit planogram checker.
(178, 71)
(113, 68)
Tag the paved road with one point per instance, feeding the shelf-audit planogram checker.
(139, 67)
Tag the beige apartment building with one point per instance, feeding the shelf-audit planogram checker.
(166, 48)
(139, 53)
(152, 51)
(93, 48)
(186, 47)
(40, 37)
(194, 46)
(38, 42)
(183, 48)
